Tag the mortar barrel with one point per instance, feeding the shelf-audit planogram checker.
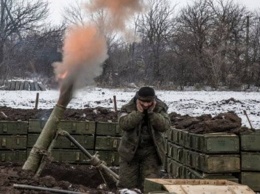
(44, 140)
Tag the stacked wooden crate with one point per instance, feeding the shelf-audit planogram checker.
(13, 141)
(108, 137)
(210, 156)
(64, 150)
(250, 160)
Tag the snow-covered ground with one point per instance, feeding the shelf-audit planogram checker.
(193, 103)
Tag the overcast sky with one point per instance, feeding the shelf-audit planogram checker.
(57, 6)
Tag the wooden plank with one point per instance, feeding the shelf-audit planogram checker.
(212, 189)
(187, 186)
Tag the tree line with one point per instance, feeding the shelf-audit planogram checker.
(212, 43)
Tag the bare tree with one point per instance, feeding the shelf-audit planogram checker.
(254, 50)
(229, 39)
(37, 51)
(17, 18)
(155, 28)
(75, 14)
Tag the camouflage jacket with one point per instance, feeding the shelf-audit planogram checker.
(130, 123)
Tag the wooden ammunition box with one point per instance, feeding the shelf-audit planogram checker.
(111, 158)
(177, 170)
(169, 149)
(176, 152)
(73, 127)
(107, 143)
(169, 134)
(13, 127)
(36, 125)
(183, 138)
(87, 141)
(250, 141)
(250, 161)
(13, 142)
(214, 143)
(194, 174)
(78, 127)
(212, 163)
(252, 179)
(13, 156)
(106, 128)
(169, 165)
(174, 135)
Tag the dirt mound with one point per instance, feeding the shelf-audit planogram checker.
(223, 122)
(77, 178)
(92, 114)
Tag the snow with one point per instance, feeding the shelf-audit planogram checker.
(193, 103)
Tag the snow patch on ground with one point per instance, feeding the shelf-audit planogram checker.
(193, 103)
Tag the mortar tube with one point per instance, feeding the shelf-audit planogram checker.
(44, 140)
(37, 188)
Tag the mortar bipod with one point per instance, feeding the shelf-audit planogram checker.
(93, 159)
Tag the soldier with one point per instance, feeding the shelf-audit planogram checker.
(143, 122)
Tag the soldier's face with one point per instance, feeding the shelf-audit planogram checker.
(146, 105)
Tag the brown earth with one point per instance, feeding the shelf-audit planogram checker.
(77, 178)
(83, 178)
(92, 114)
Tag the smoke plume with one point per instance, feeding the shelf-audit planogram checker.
(84, 51)
(120, 11)
(85, 48)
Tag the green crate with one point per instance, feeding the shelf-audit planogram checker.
(169, 165)
(87, 141)
(250, 141)
(70, 156)
(13, 156)
(73, 127)
(214, 163)
(251, 179)
(175, 135)
(183, 138)
(107, 143)
(106, 128)
(36, 125)
(250, 161)
(13, 142)
(13, 127)
(78, 127)
(111, 158)
(177, 152)
(194, 174)
(169, 135)
(215, 143)
(177, 170)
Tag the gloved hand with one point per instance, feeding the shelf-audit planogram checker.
(139, 106)
(151, 108)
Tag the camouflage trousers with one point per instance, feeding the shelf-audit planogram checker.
(145, 164)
